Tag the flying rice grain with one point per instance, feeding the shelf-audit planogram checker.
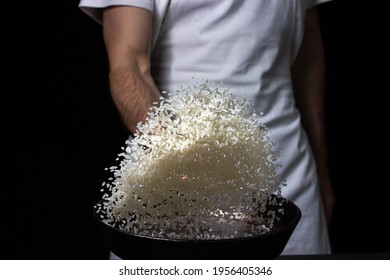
(209, 166)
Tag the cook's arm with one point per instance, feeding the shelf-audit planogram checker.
(127, 35)
(308, 74)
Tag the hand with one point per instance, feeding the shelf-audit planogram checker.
(328, 198)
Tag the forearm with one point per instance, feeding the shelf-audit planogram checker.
(127, 35)
(133, 95)
(310, 101)
(308, 73)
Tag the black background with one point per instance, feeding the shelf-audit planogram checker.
(70, 132)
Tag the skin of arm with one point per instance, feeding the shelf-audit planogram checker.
(127, 33)
(308, 74)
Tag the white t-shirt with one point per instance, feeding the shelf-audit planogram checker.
(249, 46)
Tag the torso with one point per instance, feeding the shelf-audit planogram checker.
(249, 46)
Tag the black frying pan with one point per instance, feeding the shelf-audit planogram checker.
(265, 246)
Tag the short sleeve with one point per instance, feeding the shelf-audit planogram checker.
(93, 8)
(311, 3)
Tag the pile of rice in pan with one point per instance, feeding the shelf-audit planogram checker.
(202, 166)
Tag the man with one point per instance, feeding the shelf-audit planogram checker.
(267, 51)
